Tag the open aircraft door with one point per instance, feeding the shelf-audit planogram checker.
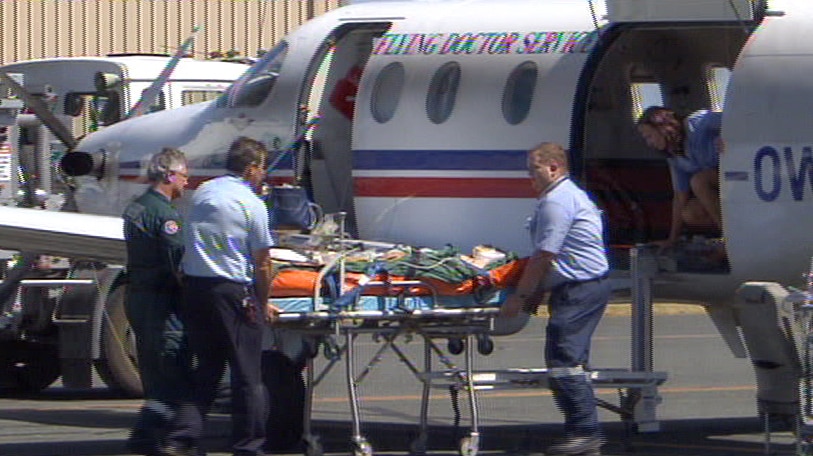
(767, 160)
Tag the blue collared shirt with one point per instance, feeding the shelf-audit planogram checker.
(568, 224)
(700, 146)
(226, 224)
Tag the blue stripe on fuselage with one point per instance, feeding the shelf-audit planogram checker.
(465, 160)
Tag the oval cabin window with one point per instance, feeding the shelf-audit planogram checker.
(519, 92)
(443, 92)
(387, 92)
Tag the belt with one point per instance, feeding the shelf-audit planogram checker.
(573, 283)
(595, 279)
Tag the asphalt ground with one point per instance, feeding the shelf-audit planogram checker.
(707, 408)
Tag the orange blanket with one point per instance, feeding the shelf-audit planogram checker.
(303, 282)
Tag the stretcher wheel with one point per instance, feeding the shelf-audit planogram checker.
(485, 346)
(455, 346)
(469, 446)
(313, 447)
(362, 448)
(418, 446)
(331, 348)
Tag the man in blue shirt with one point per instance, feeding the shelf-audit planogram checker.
(569, 260)
(226, 289)
(692, 148)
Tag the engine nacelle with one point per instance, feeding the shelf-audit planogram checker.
(79, 163)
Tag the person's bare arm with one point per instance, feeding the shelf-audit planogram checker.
(263, 277)
(530, 287)
(678, 204)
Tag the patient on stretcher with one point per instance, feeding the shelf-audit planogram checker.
(445, 272)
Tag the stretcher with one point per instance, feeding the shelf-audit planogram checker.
(392, 309)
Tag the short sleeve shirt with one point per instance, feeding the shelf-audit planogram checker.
(568, 224)
(226, 224)
(700, 146)
(152, 231)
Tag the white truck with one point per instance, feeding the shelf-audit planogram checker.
(52, 320)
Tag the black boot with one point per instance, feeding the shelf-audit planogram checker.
(145, 437)
(576, 445)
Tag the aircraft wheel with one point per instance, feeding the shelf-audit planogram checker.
(27, 367)
(455, 346)
(118, 366)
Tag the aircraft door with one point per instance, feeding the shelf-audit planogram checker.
(336, 71)
(766, 179)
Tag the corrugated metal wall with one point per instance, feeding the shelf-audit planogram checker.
(31, 29)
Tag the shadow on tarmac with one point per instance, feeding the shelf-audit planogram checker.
(702, 437)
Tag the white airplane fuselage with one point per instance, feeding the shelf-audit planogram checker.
(426, 111)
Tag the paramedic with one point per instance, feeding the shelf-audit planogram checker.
(692, 147)
(569, 259)
(152, 232)
(226, 289)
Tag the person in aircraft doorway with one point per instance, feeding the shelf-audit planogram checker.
(569, 259)
(152, 231)
(692, 147)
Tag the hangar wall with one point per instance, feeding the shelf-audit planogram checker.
(32, 29)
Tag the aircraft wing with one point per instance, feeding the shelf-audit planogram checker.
(68, 234)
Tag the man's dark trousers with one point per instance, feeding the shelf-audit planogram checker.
(162, 353)
(219, 330)
(575, 310)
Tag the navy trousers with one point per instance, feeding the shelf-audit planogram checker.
(575, 310)
(163, 357)
(219, 331)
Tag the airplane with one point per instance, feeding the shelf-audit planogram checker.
(426, 110)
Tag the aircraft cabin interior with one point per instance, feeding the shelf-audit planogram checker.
(685, 68)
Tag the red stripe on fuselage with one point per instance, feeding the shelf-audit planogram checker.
(443, 187)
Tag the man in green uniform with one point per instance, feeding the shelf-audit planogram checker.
(152, 230)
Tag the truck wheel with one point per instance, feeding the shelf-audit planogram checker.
(118, 367)
(27, 367)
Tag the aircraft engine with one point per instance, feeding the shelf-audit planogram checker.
(79, 163)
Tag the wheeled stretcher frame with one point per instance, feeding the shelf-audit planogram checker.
(637, 386)
(339, 332)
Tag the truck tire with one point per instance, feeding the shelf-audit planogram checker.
(117, 365)
(27, 367)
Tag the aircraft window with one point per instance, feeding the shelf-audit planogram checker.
(717, 79)
(255, 84)
(644, 95)
(198, 96)
(519, 92)
(387, 92)
(443, 92)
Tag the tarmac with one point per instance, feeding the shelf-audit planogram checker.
(707, 405)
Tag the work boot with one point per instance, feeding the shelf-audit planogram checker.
(576, 446)
(174, 449)
(146, 435)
